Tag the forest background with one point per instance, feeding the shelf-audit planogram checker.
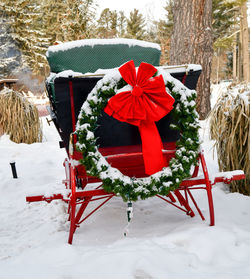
(27, 28)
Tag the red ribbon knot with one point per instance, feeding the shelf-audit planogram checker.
(137, 91)
(145, 104)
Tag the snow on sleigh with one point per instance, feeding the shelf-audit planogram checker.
(133, 130)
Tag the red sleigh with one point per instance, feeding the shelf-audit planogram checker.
(67, 95)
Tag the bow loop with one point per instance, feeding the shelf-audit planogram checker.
(145, 71)
(128, 72)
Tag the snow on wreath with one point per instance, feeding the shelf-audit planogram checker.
(124, 86)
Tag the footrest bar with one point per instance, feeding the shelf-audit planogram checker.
(45, 198)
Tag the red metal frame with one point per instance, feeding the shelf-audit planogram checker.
(128, 159)
(78, 200)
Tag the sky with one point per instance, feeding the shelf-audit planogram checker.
(152, 9)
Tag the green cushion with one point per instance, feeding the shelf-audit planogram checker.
(90, 55)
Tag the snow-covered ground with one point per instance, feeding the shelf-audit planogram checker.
(162, 243)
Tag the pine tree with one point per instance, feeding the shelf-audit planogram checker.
(103, 24)
(191, 42)
(135, 25)
(79, 19)
(121, 24)
(88, 13)
(223, 13)
(67, 20)
(113, 23)
(228, 18)
(27, 32)
(37, 24)
(164, 31)
(223, 17)
(54, 13)
(10, 56)
(164, 34)
(110, 24)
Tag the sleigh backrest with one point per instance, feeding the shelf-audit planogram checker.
(89, 55)
(123, 134)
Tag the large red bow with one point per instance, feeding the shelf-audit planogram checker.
(146, 103)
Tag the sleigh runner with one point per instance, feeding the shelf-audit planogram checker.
(103, 149)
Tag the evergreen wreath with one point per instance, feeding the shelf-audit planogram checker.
(162, 182)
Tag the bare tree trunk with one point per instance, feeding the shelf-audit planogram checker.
(244, 42)
(218, 66)
(240, 62)
(235, 58)
(191, 42)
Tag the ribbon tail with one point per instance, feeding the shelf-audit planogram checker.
(152, 146)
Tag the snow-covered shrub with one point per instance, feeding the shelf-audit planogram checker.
(230, 128)
(19, 118)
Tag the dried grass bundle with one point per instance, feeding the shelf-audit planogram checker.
(230, 128)
(19, 118)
